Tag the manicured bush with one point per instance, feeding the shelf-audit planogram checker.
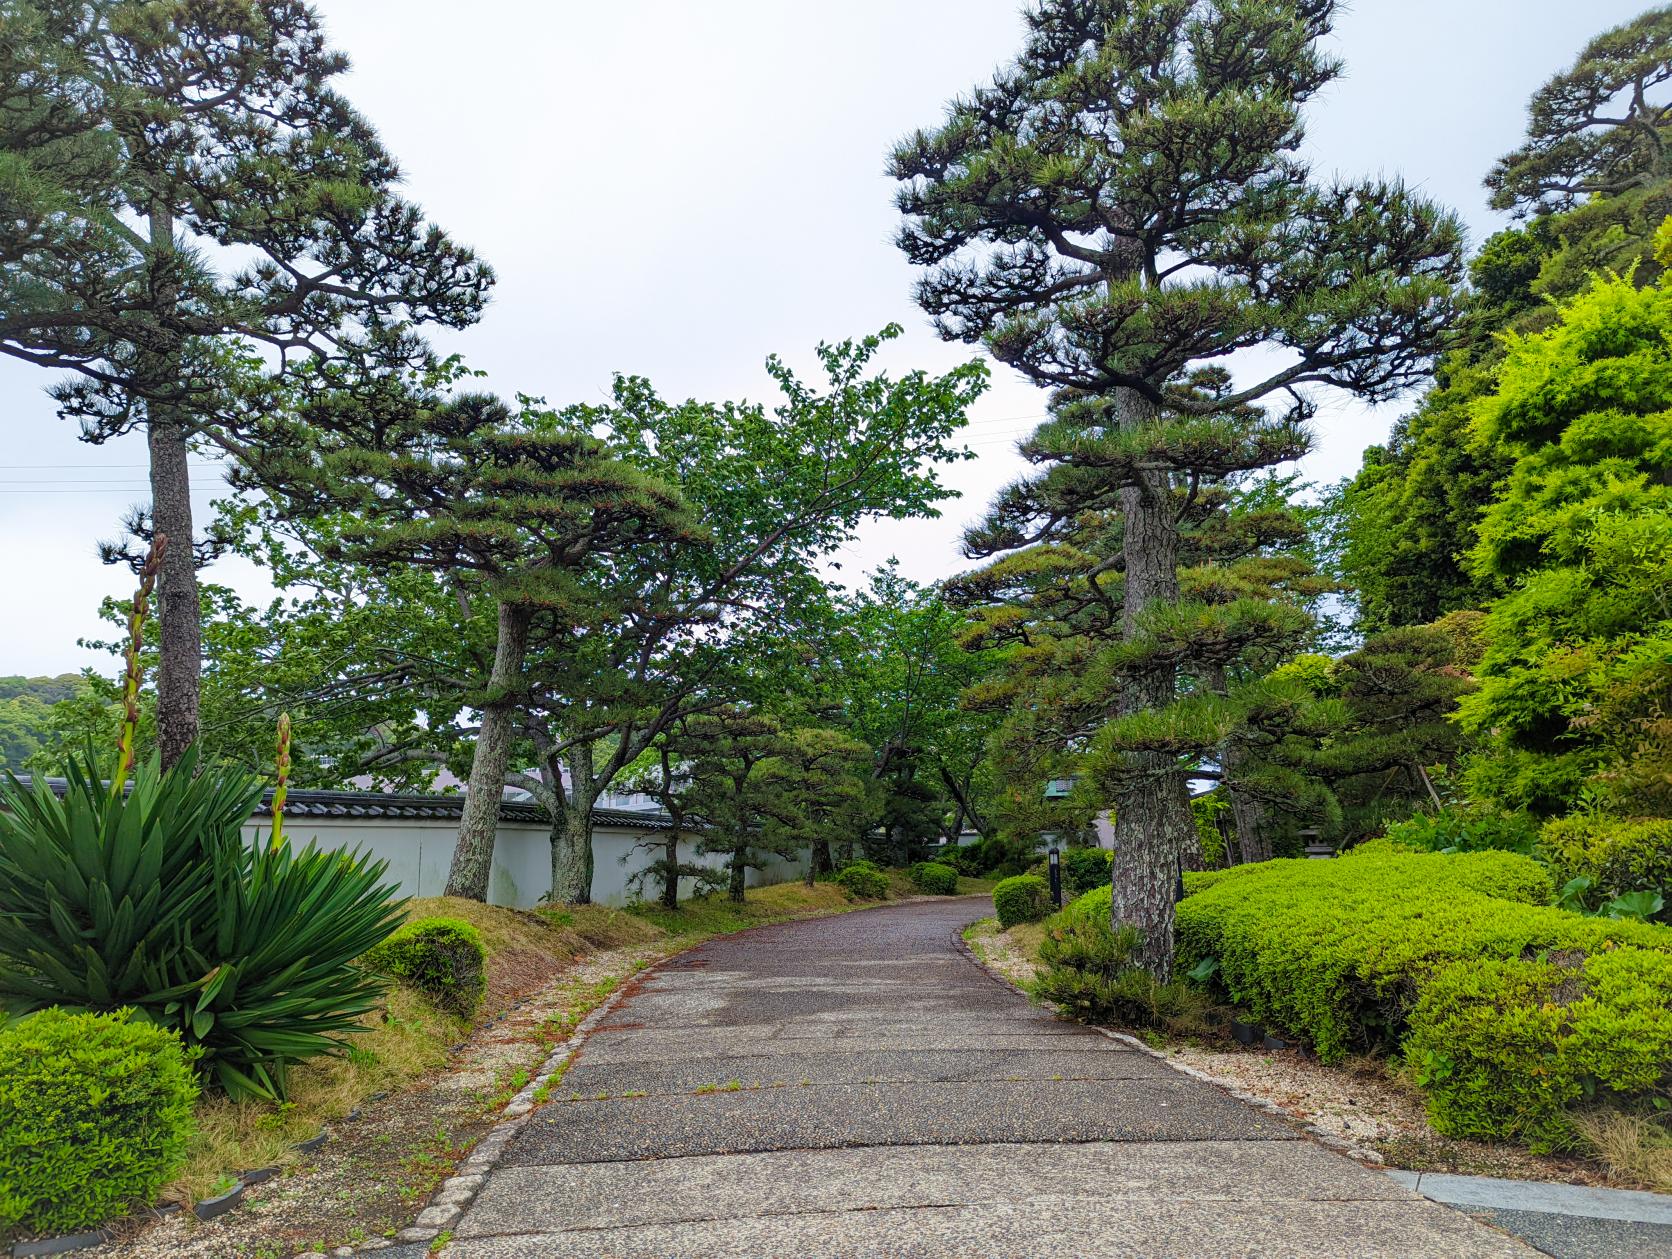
(154, 901)
(442, 958)
(863, 880)
(1085, 869)
(1507, 1048)
(1021, 898)
(933, 878)
(1619, 855)
(1337, 950)
(95, 1115)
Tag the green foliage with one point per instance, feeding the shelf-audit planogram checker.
(1462, 829)
(863, 881)
(934, 878)
(1338, 950)
(443, 958)
(1021, 898)
(1089, 970)
(153, 900)
(1573, 663)
(1618, 855)
(95, 1115)
(1508, 1047)
(1084, 870)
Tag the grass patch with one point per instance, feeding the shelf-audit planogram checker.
(1634, 1148)
(717, 914)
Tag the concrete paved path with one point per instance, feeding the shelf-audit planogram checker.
(854, 1086)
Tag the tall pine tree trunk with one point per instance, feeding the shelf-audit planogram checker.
(473, 857)
(670, 878)
(179, 615)
(1153, 826)
(818, 860)
(572, 861)
(739, 869)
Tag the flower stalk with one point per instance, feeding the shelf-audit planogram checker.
(280, 791)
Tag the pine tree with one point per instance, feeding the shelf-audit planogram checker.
(522, 510)
(266, 216)
(1118, 211)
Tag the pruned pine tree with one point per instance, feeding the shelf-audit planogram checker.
(1054, 610)
(1601, 128)
(180, 181)
(735, 806)
(520, 510)
(1121, 208)
(824, 776)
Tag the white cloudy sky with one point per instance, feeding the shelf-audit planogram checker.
(676, 189)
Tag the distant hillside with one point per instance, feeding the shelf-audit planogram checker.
(25, 714)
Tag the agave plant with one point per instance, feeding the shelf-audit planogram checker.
(100, 893)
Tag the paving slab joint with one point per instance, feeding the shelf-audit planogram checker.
(1265, 1105)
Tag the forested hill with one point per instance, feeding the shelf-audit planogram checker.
(25, 711)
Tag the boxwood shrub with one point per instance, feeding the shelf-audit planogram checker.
(863, 880)
(1021, 898)
(1085, 869)
(934, 878)
(442, 958)
(95, 1115)
(1510, 1010)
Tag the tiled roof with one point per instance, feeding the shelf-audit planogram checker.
(390, 804)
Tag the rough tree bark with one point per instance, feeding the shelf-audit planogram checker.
(179, 616)
(473, 858)
(1152, 815)
(571, 834)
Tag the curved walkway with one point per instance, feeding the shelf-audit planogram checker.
(854, 1086)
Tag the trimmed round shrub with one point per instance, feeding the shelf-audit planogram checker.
(1620, 855)
(95, 1115)
(1084, 869)
(1021, 898)
(442, 958)
(863, 881)
(934, 878)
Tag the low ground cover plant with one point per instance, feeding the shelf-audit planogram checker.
(1021, 898)
(1089, 971)
(934, 878)
(95, 1115)
(1616, 856)
(443, 958)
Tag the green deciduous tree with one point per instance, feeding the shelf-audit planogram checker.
(179, 179)
(1119, 214)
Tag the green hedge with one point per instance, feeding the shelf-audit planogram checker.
(1619, 855)
(934, 878)
(863, 880)
(95, 1115)
(1510, 1009)
(1021, 898)
(442, 958)
(1507, 1047)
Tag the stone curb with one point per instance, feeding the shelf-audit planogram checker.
(457, 1192)
(1322, 1136)
(1632, 1206)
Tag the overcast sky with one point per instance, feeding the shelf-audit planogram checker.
(677, 189)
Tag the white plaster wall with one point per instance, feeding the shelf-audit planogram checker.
(420, 851)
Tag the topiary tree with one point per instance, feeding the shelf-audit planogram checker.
(1117, 214)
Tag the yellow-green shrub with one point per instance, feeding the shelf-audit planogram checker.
(1506, 1047)
(1021, 898)
(1337, 950)
(863, 881)
(1618, 854)
(934, 878)
(95, 1114)
(443, 958)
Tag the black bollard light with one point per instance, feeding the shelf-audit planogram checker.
(1053, 860)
